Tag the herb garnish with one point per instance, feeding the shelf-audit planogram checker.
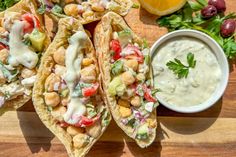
(189, 17)
(179, 68)
(4, 4)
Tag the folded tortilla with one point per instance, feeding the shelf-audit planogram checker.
(22, 7)
(67, 27)
(91, 13)
(103, 35)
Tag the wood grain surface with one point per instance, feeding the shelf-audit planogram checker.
(209, 133)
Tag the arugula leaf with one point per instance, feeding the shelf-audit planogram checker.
(179, 68)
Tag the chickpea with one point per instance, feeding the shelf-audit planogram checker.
(58, 113)
(27, 73)
(4, 53)
(52, 99)
(80, 140)
(125, 112)
(3, 80)
(87, 61)
(88, 74)
(94, 130)
(51, 81)
(71, 10)
(127, 78)
(59, 55)
(124, 103)
(152, 123)
(97, 7)
(74, 130)
(133, 64)
(135, 101)
(88, 14)
(140, 77)
(60, 70)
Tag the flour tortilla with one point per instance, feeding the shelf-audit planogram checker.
(67, 26)
(103, 34)
(125, 6)
(24, 6)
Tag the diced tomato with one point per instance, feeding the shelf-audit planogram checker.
(148, 95)
(84, 121)
(2, 46)
(134, 53)
(90, 91)
(115, 46)
(31, 22)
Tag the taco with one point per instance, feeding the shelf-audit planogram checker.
(67, 93)
(22, 41)
(85, 11)
(127, 81)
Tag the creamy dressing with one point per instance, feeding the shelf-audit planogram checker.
(29, 82)
(202, 80)
(19, 52)
(13, 89)
(74, 56)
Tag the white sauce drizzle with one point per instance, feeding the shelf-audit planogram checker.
(19, 52)
(74, 56)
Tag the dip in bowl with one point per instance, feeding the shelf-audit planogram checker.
(190, 70)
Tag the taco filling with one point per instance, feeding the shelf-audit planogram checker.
(131, 84)
(88, 10)
(71, 92)
(22, 40)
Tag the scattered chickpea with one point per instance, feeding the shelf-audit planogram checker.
(51, 81)
(64, 101)
(26, 73)
(125, 112)
(97, 7)
(94, 130)
(74, 130)
(52, 99)
(133, 64)
(87, 61)
(135, 101)
(124, 103)
(60, 70)
(58, 113)
(88, 74)
(4, 53)
(71, 10)
(59, 55)
(151, 123)
(127, 78)
(88, 14)
(80, 140)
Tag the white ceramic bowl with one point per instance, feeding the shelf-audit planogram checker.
(223, 62)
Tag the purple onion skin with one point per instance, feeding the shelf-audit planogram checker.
(209, 11)
(228, 27)
(219, 4)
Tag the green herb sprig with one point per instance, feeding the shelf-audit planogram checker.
(179, 68)
(189, 17)
(4, 4)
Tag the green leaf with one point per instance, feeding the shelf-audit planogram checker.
(117, 67)
(57, 9)
(195, 6)
(191, 61)
(135, 5)
(42, 9)
(10, 75)
(202, 2)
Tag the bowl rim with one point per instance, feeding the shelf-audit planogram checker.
(225, 78)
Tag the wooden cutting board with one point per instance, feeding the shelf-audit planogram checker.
(209, 133)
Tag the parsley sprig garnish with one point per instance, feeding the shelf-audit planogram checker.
(179, 68)
(189, 17)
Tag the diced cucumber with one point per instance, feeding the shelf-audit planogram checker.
(116, 82)
(37, 39)
(142, 133)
